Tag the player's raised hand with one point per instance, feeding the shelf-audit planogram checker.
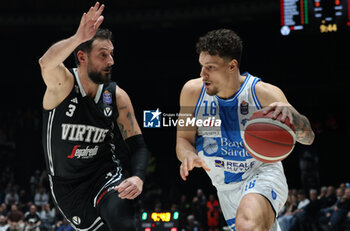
(90, 22)
(191, 161)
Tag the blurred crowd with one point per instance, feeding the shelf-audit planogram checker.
(28, 208)
(31, 208)
(324, 209)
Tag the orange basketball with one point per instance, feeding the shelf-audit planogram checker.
(269, 140)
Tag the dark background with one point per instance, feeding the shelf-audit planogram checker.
(155, 55)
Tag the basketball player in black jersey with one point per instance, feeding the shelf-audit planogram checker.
(80, 136)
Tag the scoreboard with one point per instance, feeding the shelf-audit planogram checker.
(321, 16)
(159, 221)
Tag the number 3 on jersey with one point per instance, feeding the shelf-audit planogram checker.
(71, 109)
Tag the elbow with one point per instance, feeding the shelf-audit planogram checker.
(306, 138)
(41, 63)
(312, 137)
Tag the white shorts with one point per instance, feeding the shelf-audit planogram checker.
(268, 180)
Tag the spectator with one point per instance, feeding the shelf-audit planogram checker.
(11, 198)
(302, 202)
(7, 176)
(323, 193)
(306, 218)
(32, 219)
(184, 209)
(326, 212)
(3, 223)
(341, 210)
(23, 200)
(34, 182)
(44, 179)
(330, 198)
(41, 197)
(197, 212)
(192, 224)
(213, 213)
(285, 219)
(47, 216)
(339, 193)
(347, 222)
(15, 219)
(9, 188)
(3, 209)
(64, 226)
(202, 200)
(201, 215)
(332, 217)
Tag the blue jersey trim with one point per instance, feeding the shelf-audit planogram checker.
(231, 223)
(255, 97)
(239, 91)
(199, 101)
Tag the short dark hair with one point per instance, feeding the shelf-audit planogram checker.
(103, 34)
(222, 42)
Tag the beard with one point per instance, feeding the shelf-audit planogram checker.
(99, 77)
(212, 91)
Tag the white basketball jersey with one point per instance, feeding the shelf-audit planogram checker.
(222, 146)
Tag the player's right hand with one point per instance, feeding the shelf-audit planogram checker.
(192, 160)
(90, 22)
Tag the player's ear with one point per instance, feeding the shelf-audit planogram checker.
(81, 57)
(233, 65)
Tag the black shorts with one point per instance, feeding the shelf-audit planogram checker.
(77, 200)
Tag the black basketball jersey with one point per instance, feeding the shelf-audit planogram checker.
(79, 134)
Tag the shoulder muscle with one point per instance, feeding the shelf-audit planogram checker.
(190, 92)
(268, 93)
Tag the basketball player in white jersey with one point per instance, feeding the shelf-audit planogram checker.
(250, 192)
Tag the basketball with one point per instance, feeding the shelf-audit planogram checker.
(268, 140)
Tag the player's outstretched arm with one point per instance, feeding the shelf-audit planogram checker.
(131, 187)
(185, 136)
(53, 71)
(272, 98)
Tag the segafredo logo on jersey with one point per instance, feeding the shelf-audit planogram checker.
(83, 153)
(82, 132)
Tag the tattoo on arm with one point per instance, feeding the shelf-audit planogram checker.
(131, 122)
(303, 129)
(122, 130)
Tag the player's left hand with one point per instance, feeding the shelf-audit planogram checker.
(279, 107)
(130, 188)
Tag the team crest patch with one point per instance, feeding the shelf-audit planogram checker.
(107, 111)
(76, 220)
(244, 108)
(107, 97)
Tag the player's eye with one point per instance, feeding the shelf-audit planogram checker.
(210, 68)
